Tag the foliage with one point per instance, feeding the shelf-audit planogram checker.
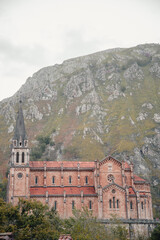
(29, 220)
(83, 226)
(156, 233)
(38, 151)
(3, 189)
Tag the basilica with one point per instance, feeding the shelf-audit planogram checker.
(107, 187)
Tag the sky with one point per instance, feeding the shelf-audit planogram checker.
(39, 33)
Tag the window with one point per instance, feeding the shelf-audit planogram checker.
(142, 205)
(23, 157)
(110, 178)
(53, 179)
(55, 205)
(73, 205)
(86, 179)
(110, 203)
(17, 157)
(20, 144)
(19, 175)
(90, 205)
(113, 202)
(117, 203)
(131, 205)
(109, 167)
(36, 180)
(70, 179)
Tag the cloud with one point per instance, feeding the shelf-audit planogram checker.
(21, 53)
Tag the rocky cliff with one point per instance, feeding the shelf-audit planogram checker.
(106, 103)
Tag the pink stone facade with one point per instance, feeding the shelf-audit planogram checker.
(108, 187)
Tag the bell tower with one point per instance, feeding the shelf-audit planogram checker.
(19, 164)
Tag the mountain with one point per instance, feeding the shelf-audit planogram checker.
(106, 103)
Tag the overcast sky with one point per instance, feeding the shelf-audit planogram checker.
(38, 33)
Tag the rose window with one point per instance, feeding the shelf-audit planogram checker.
(110, 178)
(19, 175)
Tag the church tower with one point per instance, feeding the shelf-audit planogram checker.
(19, 164)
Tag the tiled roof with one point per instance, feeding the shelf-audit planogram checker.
(66, 164)
(126, 165)
(131, 191)
(60, 190)
(142, 193)
(138, 179)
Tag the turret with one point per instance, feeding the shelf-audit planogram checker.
(20, 151)
(19, 168)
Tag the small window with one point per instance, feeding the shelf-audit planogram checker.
(55, 205)
(15, 143)
(23, 157)
(142, 205)
(53, 179)
(86, 179)
(117, 203)
(73, 204)
(131, 205)
(20, 144)
(109, 167)
(113, 202)
(70, 179)
(36, 180)
(19, 175)
(90, 205)
(110, 203)
(17, 157)
(25, 143)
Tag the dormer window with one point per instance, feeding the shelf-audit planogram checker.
(20, 144)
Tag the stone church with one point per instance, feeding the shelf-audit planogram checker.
(105, 187)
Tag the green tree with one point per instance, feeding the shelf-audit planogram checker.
(83, 226)
(156, 233)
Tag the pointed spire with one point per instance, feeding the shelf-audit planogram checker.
(20, 132)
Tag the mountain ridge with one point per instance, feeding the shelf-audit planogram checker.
(104, 103)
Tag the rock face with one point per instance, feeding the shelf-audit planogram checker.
(92, 106)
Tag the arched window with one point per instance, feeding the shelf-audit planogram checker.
(86, 179)
(90, 205)
(23, 157)
(73, 204)
(110, 203)
(17, 157)
(117, 203)
(142, 205)
(131, 205)
(70, 179)
(55, 205)
(36, 179)
(53, 179)
(113, 202)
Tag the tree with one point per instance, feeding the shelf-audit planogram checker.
(156, 233)
(29, 220)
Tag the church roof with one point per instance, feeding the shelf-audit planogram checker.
(20, 132)
(60, 190)
(60, 164)
(138, 179)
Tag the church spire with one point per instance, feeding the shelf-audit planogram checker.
(20, 137)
